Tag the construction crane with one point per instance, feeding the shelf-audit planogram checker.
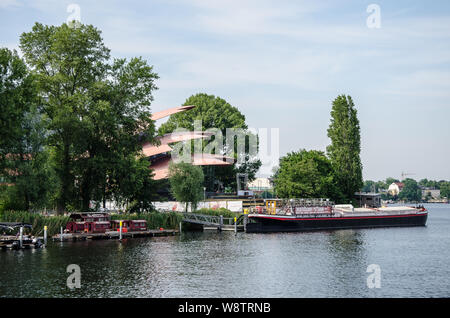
(406, 174)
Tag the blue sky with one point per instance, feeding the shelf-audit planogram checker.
(283, 62)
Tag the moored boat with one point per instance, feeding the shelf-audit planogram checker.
(98, 222)
(304, 215)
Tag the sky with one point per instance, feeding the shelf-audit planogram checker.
(282, 63)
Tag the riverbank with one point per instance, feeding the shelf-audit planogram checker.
(413, 263)
(155, 220)
(37, 221)
(112, 235)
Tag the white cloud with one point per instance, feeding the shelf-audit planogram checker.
(9, 3)
(422, 83)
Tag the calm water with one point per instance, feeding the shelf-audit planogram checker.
(414, 262)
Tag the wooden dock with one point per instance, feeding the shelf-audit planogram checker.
(112, 235)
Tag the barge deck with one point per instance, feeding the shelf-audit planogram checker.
(296, 217)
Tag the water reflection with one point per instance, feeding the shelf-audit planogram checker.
(210, 264)
(349, 262)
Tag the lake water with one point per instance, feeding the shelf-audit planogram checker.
(413, 262)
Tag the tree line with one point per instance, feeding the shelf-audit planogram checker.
(412, 189)
(336, 174)
(73, 120)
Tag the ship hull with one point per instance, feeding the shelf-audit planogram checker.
(264, 224)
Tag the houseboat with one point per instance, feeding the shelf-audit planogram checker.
(129, 225)
(98, 222)
(308, 215)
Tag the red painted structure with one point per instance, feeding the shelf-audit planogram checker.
(101, 223)
(97, 227)
(129, 225)
(138, 225)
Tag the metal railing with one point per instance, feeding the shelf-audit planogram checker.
(210, 220)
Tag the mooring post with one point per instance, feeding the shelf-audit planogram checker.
(61, 235)
(21, 236)
(45, 235)
(120, 232)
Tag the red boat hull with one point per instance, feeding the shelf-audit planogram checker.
(268, 223)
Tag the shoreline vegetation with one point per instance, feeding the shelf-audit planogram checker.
(155, 219)
(74, 120)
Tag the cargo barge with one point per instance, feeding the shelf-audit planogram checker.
(304, 215)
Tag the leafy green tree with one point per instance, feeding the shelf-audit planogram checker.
(410, 191)
(98, 108)
(35, 175)
(305, 174)
(429, 183)
(445, 189)
(24, 158)
(344, 150)
(423, 182)
(390, 181)
(186, 183)
(381, 185)
(17, 96)
(369, 186)
(215, 112)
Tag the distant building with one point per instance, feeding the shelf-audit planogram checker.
(369, 200)
(260, 184)
(435, 193)
(395, 188)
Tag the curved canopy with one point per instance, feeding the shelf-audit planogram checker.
(170, 111)
(161, 167)
(152, 150)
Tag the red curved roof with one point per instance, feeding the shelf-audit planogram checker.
(161, 167)
(183, 136)
(170, 111)
(151, 150)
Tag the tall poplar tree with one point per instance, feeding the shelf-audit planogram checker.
(345, 148)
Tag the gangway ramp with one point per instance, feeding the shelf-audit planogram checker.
(215, 222)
